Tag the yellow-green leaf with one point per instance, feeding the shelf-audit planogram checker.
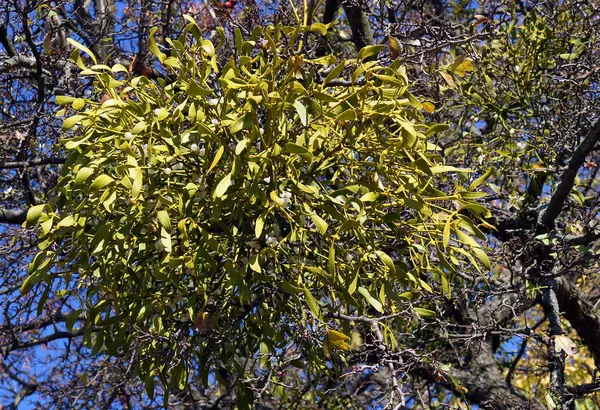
(71, 121)
(446, 233)
(319, 223)
(100, 182)
(301, 109)
(33, 214)
(372, 301)
(481, 179)
(223, 186)
(217, 157)
(164, 219)
(369, 51)
(424, 312)
(82, 48)
(312, 303)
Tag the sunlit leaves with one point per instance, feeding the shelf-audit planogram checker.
(256, 192)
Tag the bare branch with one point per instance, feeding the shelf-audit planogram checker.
(32, 163)
(567, 179)
(15, 217)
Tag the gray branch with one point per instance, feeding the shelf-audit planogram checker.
(32, 163)
(14, 217)
(567, 179)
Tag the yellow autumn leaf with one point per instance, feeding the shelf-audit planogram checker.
(449, 80)
(429, 107)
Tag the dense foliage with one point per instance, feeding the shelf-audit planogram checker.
(255, 200)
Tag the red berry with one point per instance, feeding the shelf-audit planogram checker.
(228, 5)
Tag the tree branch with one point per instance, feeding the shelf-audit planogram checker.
(32, 163)
(567, 179)
(579, 311)
(14, 217)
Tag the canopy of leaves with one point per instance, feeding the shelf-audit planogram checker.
(253, 201)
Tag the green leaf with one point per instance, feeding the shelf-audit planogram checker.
(237, 125)
(387, 261)
(301, 109)
(318, 27)
(291, 289)
(172, 62)
(436, 128)
(424, 312)
(312, 303)
(165, 220)
(149, 386)
(153, 47)
(165, 239)
(66, 222)
(370, 51)
(447, 168)
(33, 214)
(208, 47)
(216, 159)
(259, 225)
(99, 240)
(195, 90)
(82, 48)
(446, 233)
(223, 186)
(334, 73)
(82, 175)
(481, 179)
(348, 115)
(331, 260)
(320, 223)
(240, 146)
(68, 123)
(482, 256)
(254, 263)
(101, 182)
(64, 100)
(370, 196)
(372, 301)
(139, 127)
(47, 225)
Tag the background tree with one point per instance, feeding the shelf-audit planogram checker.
(515, 81)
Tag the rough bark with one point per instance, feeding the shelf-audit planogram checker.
(580, 313)
(485, 384)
